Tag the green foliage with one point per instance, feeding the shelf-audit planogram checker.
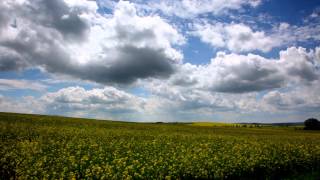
(48, 147)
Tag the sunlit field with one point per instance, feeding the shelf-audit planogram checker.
(51, 147)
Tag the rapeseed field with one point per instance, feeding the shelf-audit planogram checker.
(52, 147)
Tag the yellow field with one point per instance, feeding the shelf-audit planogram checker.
(51, 147)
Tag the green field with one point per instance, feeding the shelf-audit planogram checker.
(51, 147)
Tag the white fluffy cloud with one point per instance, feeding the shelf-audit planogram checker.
(236, 73)
(70, 37)
(229, 83)
(108, 100)
(235, 37)
(242, 38)
(232, 83)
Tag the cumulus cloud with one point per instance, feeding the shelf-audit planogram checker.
(237, 84)
(240, 73)
(196, 104)
(246, 73)
(71, 38)
(235, 37)
(236, 73)
(299, 98)
(232, 83)
(177, 99)
(106, 100)
(239, 37)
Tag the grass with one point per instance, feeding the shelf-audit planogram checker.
(53, 147)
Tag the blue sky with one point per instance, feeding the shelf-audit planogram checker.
(190, 60)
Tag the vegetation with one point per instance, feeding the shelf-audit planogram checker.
(208, 124)
(312, 124)
(51, 147)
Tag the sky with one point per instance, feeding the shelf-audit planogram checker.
(170, 61)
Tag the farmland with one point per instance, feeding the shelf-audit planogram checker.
(51, 147)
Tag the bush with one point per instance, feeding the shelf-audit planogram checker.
(312, 124)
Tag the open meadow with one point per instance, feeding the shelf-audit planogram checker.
(52, 147)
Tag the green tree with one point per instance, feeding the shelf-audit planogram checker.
(312, 124)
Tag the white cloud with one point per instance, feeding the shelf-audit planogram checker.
(233, 83)
(246, 73)
(235, 37)
(239, 37)
(108, 100)
(106, 103)
(230, 83)
(191, 103)
(194, 8)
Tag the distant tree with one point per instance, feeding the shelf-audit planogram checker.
(312, 124)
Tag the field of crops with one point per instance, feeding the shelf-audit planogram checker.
(48, 147)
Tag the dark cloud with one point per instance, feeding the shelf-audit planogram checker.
(243, 86)
(43, 41)
(38, 44)
(56, 14)
(132, 63)
(135, 63)
(184, 81)
(246, 78)
(38, 50)
(10, 61)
